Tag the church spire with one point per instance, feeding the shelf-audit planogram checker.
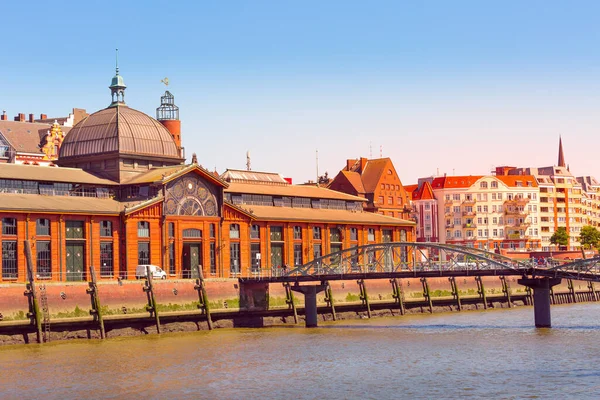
(117, 86)
(561, 156)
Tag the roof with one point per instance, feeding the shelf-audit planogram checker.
(313, 192)
(355, 180)
(25, 137)
(410, 188)
(512, 180)
(235, 175)
(165, 174)
(372, 173)
(122, 130)
(423, 192)
(50, 174)
(321, 215)
(63, 204)
(449, 182)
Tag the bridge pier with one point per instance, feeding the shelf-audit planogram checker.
(541, 298)
(310, 302)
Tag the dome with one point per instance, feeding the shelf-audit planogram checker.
(119, 130)
(117, 81)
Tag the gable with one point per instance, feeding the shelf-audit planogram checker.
(191, 194)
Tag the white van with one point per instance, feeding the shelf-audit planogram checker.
(157, 272)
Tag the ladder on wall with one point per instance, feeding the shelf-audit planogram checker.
(45, 312)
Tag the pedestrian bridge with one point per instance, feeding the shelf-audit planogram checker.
(422, 260)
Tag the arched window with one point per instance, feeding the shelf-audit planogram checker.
(42, 227)
(192, 233)
(144, 229)
(106, 229)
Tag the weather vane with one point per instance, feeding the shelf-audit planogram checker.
(165, 81)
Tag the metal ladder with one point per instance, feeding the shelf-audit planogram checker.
(45, 312)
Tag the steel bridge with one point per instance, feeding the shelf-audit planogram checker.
(423, 260)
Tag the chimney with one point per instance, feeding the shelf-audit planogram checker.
(20, 118)
(4, 117)
(363, 164)
(31, 118)
(43, 116)
(349, 164)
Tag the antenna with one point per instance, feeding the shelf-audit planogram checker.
(248, 168)
(380, 151)
(165, 81)
(370, 149)
(317, 152)
(117, 60)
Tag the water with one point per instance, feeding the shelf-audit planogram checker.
(493, 354)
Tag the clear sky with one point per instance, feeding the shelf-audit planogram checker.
(439, 86)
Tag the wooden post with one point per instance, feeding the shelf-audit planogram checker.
(289, 300)
(506, 290)
(481, 291)
(203, 297)
(455, 293)
(398, 294)
(96, 310)
(572, 290)
(552, 297)
(329, 298)
(592, 291)
(364, 297)
(34, 310)
(151, 307)
(529, 298)
(427, 293)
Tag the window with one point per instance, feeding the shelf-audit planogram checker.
(335, 235)
(172, 258)
(171, 230)
(234, 231)
(255, 257)
(386, 235)
(144, 230)
(316, 233)
(316, 251)
(213, 258)
(297, 233)
(106, 229)
(192, 233)
(106, 259)
(298, 254)
(390, 200)
(255, 232)
(456, 197)
(44, 259)
(277, 233)
(380, 200)
(42, 227)
(371, 235)
(143, 253)
(234, 258)
(74, 229)
(212, 230)
(483, 185)
(494, 185)
(9, 226)
(353, 234)
(9, 259)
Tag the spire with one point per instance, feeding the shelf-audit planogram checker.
(117, 86)
(561, 156)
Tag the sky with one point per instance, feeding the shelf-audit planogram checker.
(440, 87)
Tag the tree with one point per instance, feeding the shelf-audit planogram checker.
(560, 237)
(589, 236)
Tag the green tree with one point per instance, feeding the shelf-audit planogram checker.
(589, 236)
(560, 237)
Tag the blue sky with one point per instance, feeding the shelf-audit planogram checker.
(439, 86)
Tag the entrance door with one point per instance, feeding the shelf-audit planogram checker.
(276, 255)
(75, 264)
(192, 257)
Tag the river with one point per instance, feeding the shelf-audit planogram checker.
(475, 354)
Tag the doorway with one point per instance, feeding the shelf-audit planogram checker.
(75, 261)
(191, 258)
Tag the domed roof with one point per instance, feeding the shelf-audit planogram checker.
(117, 81)
(119, 129)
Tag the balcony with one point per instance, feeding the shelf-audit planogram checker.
(469, 202)
(470, 226)
(516, 236)
(448, 202)
(516, 212)
(517, 201)
(468, 213)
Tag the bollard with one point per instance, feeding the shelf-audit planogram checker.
(96, 310)
(151, 307)
(203, 297)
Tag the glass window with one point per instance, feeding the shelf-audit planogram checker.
(144, 230)
(255, 232)
(386, 235)
(213, 258)
(9, 226)
(316, 251)
(171, 229)
(42, 227)
(316, 233)
(234, 258)
(106, 229)
(234, 231)
(106, 259)
(297, 233)
(371, 235)
(353, 234)
(298, 254)
(255, 257)
(143, 253)
(192, 233)
(9, 259)
(74, 229)
(335, 235)
(44, 259)
(277, 233)
(212, 230)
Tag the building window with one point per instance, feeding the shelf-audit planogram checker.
(386, 235)
(172, 259)
(371, 235)
(44, 259)
(255, 257)
(171, 229)
(192, 233)
(494, 185)
(143, 253)
(74, 229)
(9, 226)
(143, 229)
(212, 231)
(9, 259)
(255, 232)
(42, 227)
(106, 229)
(390, 200)
(234, 258)
(213, 258)
(298, 254)
(380, 199)
(277, 233)
(483, 185)
(297, 232)
(234, 231)
(353, 234)
(316, 233)
(316, 251)
(106, 259)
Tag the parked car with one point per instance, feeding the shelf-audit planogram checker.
(157, 272)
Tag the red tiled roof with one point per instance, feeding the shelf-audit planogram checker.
(424, 192)
(355, 180)
(410, 189)
(372, 173)
(25, 137)
(446, 182)
(511, 180)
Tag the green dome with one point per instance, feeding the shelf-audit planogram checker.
(117, 81)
